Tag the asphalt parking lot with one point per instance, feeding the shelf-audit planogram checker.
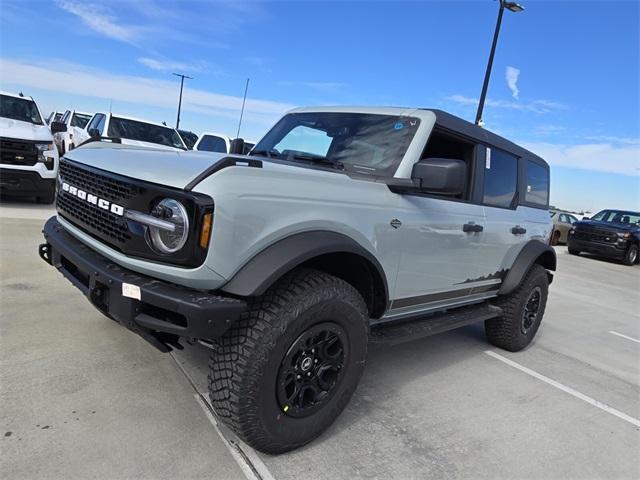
(81, 397)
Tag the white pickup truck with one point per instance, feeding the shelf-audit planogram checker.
(131, 131)
(75, 122)
(28, 157)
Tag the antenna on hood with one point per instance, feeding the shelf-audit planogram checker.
(244, 99)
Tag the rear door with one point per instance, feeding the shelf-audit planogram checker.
(506, 230)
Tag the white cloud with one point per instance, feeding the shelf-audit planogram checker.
(69, 78)
(511, 75)
(98, 19)
(614, 139)
(170, 65)
(536, 106)
(601, 157)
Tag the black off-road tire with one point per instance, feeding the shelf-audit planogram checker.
(245, 363)
(573, 251)
(631, 256)
(508, 331)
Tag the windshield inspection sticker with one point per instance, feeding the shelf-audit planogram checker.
(130, 291)
(398, 126)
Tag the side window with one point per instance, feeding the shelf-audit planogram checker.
(537, 181)
(100, 125)
(211, 143)
(564, 218)
(94, 122)
(441, 145)
(572, 219)
(500, 178)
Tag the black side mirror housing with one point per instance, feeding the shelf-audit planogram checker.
(237, 146)
(442, 176)
(58, 127)
(94, 133)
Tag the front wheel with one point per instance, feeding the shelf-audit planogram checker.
(285, 371)
(523, 310)
(573, 251)
(631, 256)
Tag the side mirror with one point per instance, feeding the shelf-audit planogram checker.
(586, 218)
(443, 176)
(94, 133)
(237, 146)
(57, 127)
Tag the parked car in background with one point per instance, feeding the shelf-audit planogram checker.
(28, 157)
(54, 117)
(75, 122)
(218, 142)
(610, 233)
(562, 222)
(132, 131)
(213, 142)
(189, 138)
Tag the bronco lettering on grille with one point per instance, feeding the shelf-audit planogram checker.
(92, 199)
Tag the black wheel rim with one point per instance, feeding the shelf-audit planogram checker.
(312, 369)
(531, 310)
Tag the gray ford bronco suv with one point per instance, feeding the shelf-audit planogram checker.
(343, 226)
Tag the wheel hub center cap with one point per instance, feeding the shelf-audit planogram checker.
(306, 363)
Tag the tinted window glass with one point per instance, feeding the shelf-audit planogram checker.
(617, 216)
(144, 132)
(537, 184)
(79, 120)
(189, 138)
(500, 178)
(101, 122)
(21, 109)
(211, 143)
(572, 219)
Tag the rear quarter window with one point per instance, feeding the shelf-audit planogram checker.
(537, 184)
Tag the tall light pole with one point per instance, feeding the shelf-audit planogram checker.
(182, 77)
(513, 7)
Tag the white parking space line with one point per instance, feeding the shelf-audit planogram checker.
(564, 388)
(624, 336)
(246, 457)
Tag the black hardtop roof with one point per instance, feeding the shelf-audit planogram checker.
(479, 134)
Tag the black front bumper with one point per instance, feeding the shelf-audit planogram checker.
(25, 183)
(613, 250)
(164, 311)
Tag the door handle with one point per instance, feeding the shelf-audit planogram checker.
(472, 228)
(518, 230)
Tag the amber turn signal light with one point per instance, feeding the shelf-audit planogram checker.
(205, 230)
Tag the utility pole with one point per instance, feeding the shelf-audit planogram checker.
(513, 7)
(182, 77)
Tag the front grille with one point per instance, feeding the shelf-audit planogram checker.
(17, 152)
(103, 186)
(109, 226)
(596, 235)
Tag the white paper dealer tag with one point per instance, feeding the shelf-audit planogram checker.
(130, 291)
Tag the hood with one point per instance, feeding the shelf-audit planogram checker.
(626, 227)
(11, 128)
(171, 168)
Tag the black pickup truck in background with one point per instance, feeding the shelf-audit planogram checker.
(610, 233)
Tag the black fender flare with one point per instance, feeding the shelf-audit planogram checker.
(259, 273)
(534, 251)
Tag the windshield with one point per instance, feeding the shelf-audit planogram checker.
(359, 142)
(617, 216)
(21, 109)
(144, 132)
(80, 120)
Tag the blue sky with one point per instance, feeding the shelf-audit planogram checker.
(564, 84)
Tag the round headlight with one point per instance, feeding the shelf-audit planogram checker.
(167, 240)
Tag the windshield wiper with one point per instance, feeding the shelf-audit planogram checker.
(322, 160)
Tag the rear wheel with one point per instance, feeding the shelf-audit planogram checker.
(285, 371)
(574, 252)
(631, 256)
(523, 310)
